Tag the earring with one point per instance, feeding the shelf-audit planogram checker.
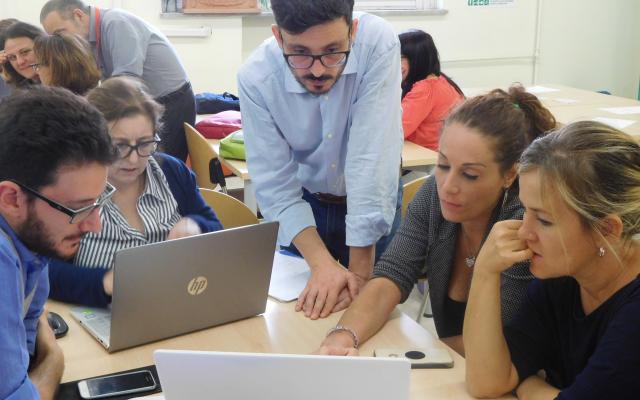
(504, 199)
(601, 251)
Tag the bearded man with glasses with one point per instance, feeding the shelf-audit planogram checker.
(53, 181)
(322, 122)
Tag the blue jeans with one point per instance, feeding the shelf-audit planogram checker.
(331, 226)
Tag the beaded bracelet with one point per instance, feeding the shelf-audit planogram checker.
(353, 334)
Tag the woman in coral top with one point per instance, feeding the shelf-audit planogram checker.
(427, 94)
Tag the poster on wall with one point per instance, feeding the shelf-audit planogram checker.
(490, 3)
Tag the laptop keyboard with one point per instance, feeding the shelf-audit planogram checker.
(102, 326)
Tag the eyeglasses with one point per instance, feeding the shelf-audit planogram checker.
(305, 61)
(22, 53)
(35, 67)
(79, 215)
(144, 149)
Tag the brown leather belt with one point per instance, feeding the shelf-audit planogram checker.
(330, 198)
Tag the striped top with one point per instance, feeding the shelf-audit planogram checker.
(158, 210)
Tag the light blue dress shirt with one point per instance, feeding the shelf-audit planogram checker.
(345, 142)
(18, 334)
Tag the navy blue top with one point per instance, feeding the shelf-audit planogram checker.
(595, 356)
(73, 284)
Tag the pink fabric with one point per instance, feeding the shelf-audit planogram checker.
(218, 126)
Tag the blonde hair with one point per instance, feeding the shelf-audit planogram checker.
(595, 169)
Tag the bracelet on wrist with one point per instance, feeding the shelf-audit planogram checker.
(342, 328)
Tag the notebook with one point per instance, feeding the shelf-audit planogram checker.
(196, 375)
(170, 288)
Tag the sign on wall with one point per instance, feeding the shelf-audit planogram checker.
(490, 3)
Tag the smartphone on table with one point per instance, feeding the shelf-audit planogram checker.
(435, 357)
(117, 384)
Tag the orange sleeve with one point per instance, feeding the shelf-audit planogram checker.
(416, 106)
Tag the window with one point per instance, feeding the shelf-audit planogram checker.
(397, 4)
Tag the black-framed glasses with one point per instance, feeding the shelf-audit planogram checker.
(76, 216)
(35, 67)
(144, 149)
(329, 60)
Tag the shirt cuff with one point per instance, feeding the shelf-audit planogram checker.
(26, 391)
(365, 230)
(293, 220)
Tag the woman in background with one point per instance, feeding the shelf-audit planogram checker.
(65, 60)
(17, 56)
(580, 320)
(427, 94)
(157, 197)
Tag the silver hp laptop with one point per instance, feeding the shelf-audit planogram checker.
(196, 375)
(178, 286)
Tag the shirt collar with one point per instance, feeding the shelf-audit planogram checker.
(152, 185)
(92, 25)
(27, 256)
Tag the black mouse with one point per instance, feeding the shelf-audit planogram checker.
(57, 324)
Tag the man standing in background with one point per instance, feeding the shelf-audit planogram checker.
(124, 44)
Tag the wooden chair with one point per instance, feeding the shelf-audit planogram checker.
(410, 189)
(202, 158)
(231, 211)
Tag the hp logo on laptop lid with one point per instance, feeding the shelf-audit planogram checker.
(197, 285)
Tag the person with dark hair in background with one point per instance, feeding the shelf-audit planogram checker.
(427, 93)
(124, 44)
(580, 319)
(65, 60)
(17, 54)
(474, 186)
(53, 181)
(321, 115)
(157, 199)
(5, 89)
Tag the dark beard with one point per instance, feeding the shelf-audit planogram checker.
(36, 238)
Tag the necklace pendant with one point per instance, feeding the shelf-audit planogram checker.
(470, 261)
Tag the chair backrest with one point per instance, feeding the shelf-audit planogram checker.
(231, 211)
(409, 191)
(200, 153)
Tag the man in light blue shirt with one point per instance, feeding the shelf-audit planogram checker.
(322, 121)
(53, 171)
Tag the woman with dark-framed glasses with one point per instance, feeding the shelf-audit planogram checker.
(156, 199)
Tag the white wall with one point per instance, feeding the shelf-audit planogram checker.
(580, 43)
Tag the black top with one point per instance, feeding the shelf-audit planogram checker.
(425, 244)
(452, 324)
(588, 357)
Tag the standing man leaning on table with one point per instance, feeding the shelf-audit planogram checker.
(322, 120)
(124, 44)
(54, 153)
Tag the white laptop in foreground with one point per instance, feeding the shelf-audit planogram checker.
(199, 375)
(166, 289)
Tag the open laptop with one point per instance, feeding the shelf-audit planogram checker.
(196, 375)
(178, 286)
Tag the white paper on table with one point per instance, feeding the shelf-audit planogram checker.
(623, 110)
(541, 89)
(288, 277)
(566, 100)
(615, 122)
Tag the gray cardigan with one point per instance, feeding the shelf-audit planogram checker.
(424, 246)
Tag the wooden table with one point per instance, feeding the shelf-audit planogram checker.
(279, 330)
(569, 104)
